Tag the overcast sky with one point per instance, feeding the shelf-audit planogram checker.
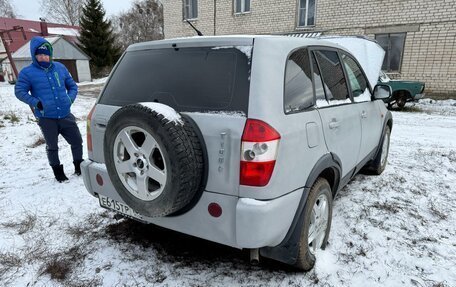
(30, 10)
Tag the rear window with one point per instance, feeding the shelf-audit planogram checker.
(187, 79)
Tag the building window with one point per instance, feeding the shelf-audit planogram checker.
(241, 6)
(190, 9)
(393, 44)
(306, 13)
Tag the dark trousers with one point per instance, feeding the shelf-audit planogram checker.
(66, 127)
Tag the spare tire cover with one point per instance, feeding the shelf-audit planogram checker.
(153, 162)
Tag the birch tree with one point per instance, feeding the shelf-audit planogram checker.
(62, 11)
(6, 9)
(142, 22)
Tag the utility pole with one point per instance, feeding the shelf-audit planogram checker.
(5, 44)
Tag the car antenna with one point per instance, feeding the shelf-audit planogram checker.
(197, 31)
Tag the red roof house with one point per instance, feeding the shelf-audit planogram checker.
(15, 39)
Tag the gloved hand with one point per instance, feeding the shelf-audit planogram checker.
(39, 106)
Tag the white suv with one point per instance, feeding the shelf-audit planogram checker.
(241, 140)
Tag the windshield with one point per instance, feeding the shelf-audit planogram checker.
(187, 79)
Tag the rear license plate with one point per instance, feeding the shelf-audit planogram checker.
(118, 207)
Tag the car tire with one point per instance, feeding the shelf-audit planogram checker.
(378, 164)
(401, 99)
(317, 219)
(153, 163)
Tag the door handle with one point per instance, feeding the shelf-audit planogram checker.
(363, 114)
(100, 126)
(101, 122)
(334, 124)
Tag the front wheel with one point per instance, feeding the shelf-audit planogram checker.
(317, 224)
(378, 164)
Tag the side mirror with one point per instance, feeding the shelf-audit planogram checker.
(382, 92)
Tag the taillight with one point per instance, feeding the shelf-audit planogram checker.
(89, 134)
(259, 147)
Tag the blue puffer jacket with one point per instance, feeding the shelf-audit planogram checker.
(54, 86)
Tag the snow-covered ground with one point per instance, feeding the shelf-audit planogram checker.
(397, 229)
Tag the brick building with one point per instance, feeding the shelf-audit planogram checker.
(419, 36)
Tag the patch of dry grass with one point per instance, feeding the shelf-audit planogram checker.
(39, 141)
(60, 265)
(23, 226)
(12, 117)
(412, 109)
(392, 207)
(437, 212)
(8, 262)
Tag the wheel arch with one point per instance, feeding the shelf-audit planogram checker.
(389, 120)
(328, 167)
(407, 93)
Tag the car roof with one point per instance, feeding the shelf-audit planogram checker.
(368, 53)
(231, 40)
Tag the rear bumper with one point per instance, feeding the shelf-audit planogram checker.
(244, 223)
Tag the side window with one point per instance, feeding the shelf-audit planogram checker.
(318, 81)
(190, 9)
(334, 82)
(298, 82)
(358, 83)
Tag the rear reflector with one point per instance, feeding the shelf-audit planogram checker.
(99, 179)
(214, 209)
(259, 148)
(256, 173)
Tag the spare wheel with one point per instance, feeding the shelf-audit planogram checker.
(153, 161)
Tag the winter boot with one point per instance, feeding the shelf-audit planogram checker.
(59, 174)
(77, 167)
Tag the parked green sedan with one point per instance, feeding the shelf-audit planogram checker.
(403, 91)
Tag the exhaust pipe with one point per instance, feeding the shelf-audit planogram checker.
(254, 256)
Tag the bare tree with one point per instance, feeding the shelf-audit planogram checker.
(143, 22)
(6, 9)
(62, 11)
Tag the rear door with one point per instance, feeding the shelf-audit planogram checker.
(371, 122)
(340, 118)
(210, 84)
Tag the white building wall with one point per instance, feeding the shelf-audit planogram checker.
(430, 43)
(7, 69)
(83, 70)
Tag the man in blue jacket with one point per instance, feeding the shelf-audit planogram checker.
(49, 89)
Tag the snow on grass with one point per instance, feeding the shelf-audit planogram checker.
(444, 107)
(94, 81)
(397, 229)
